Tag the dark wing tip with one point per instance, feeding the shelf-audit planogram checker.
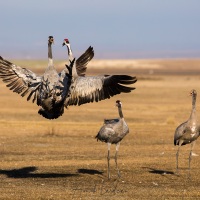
(103, 87)
(83, 60)
(175, 143)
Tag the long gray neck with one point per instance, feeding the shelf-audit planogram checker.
(194, 101)
(193, 112)
(49, 51)
(50, 57)
(120, 111)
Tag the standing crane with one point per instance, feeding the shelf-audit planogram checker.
(188, 132)
(112, 132)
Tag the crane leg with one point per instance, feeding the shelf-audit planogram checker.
(190, 155)
(177, 155)
(117, 149)
(108, 158)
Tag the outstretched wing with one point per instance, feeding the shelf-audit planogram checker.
(19, 80)
(90, 89)
(83, 60)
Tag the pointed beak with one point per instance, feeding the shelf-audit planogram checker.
(190, 94)
(63, 44)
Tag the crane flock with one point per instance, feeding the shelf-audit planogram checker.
(53, 91)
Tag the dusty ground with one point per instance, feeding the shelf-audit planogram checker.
(60, 159)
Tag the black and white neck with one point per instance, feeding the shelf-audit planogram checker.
(69, 50)
(71, 57)
(50, 57)
(119, 105)
(70, 54)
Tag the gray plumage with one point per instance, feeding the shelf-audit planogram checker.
(90, 89)
(188, 132)
(87, 89)
(80, 64)
(49, 91)
(112, 132)
(55, 91)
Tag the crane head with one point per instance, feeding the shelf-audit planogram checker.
(193, 92)
(65, 42)
(50, 40)
(118, 103)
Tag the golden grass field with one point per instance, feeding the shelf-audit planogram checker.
(60, 159)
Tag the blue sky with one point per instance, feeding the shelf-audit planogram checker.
(119, 29)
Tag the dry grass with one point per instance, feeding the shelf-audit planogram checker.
(145, 67)
(60, 159)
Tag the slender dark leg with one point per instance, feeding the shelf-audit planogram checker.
(177, 155)
(190, 156)
(117, 149)
(108, 158)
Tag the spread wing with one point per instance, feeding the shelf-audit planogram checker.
(90, 89)
(83, 60)
(19, 80)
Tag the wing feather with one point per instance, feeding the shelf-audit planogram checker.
(83, 60)
(90, 89)
(18, 79)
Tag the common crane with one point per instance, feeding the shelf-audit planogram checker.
(188, 132)
(112, 132)
(55, 91)
(49, 91)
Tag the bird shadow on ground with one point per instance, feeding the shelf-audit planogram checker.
(27, 172)
(159, 171)
(89, 171)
